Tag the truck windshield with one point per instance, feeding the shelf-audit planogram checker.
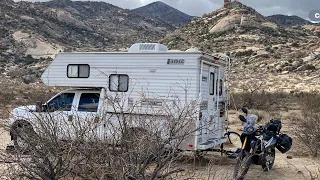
(63, 102)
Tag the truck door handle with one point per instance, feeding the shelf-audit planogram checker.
(70, 117)
(96, 119)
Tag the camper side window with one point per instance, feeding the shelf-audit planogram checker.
(78, 71)
(211, 83)
(118, 82)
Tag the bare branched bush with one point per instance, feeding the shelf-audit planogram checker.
(259, 100)
(307, 128)
(255, 97)
(307, 125)
(142, 141)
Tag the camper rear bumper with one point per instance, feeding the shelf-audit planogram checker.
(211, 143)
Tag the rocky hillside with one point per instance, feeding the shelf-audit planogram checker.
(285, 20)
(32, 32)
(164, 12)
(262, 52)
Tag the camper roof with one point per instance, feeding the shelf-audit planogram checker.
(155, 48)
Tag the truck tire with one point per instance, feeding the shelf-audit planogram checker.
(23, 136)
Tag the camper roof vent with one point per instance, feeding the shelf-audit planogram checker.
(148, 47)
(193, 49)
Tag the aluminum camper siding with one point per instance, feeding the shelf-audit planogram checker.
(138, 66)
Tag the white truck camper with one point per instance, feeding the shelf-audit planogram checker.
(145, 76)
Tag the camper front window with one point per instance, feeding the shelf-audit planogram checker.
(78, 70)
(118, 82)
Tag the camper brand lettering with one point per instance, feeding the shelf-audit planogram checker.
(175, 61)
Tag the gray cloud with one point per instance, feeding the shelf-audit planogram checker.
(198, 7)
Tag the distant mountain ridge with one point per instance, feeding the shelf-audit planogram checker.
(165, 13)
(261, 52)
(33, 31)
(285, 20)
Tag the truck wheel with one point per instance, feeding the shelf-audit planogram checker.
(22, 135)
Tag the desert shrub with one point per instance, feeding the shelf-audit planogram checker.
(259, 100)
(26, 60)
(268, 48)
(307, 124)
(244, 53)
(300, 54)
(295, 44)
(309, 102)
(307, 129)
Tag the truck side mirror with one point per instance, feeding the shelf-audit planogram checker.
(44, 107)
(38, 106)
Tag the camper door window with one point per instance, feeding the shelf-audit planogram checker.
(118, 82)
(221, 87)
(78, 71)
(211, 83)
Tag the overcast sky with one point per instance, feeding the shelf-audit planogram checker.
(198, 7)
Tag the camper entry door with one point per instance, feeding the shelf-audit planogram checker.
(212, 103)
(203, 123)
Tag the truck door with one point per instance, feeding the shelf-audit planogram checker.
(86, 114)
(60, 110)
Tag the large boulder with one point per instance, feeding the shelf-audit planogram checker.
(225, 24)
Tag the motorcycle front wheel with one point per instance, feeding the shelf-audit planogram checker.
(244, 161)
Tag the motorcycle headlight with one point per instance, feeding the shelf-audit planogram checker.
(249, 129)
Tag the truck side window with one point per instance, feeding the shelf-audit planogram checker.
(63, 102)
(118, 82)
(211, 83)
(89, 102)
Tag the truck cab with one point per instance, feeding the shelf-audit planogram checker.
(64, 108)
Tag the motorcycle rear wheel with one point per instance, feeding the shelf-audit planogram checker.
(268, 160)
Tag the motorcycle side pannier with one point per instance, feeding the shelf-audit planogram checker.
(284, 143)
(274, 126)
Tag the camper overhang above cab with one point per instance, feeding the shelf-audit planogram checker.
(143, 61)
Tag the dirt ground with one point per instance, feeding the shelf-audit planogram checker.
(213, 166)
